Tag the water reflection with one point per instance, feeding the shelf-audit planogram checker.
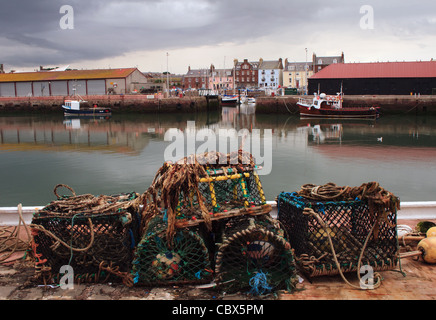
(122, 153)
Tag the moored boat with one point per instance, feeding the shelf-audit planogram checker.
(76, 108)
(229, 100)
(328, 106)
(250, 100)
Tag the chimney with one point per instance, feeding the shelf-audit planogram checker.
(1, 68)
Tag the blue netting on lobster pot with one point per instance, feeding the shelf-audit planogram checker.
(338, 229)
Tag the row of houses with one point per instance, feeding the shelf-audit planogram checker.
(244, 74)
(263, 74)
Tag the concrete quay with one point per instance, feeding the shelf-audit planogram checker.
(412, 280)
(391, 104)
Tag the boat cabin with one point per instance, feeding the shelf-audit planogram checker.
(322, 101)
(72, 104)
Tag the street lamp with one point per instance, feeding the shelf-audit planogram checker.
(307, 80)
(168, 81)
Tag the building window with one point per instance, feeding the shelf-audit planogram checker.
(320, 61)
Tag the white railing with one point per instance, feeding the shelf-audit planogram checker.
(415, 210)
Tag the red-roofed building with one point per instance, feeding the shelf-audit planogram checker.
(70, 82)
(383, 78)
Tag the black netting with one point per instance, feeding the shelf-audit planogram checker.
(186, 260)
(254, 253)
(98, 247)
(348, 224)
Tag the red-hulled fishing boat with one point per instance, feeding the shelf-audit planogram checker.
(328, 106)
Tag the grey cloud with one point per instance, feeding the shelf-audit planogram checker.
(110, 28)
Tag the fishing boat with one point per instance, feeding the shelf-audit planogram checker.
(229, 100)
(77, 108)
(250, 100)
(329, 106)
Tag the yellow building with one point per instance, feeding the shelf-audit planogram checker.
(295, 75)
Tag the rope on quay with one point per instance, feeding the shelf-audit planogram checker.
(10, 241)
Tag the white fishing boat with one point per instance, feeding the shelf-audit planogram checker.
(77, 108)
(250, 100)
(229, 100)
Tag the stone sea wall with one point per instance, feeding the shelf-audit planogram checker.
(388, 104)
(118, 103)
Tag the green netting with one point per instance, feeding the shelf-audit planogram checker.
(191, 191)
(254, 254)
(222, 192)
(187, 260)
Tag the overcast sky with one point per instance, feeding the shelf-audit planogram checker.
(197, 33)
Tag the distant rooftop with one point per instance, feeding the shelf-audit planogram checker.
(66, 75)
(268, 64)
(411, 69)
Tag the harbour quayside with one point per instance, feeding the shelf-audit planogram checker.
(329, 106)
(77, 108)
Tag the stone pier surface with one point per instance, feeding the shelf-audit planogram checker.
(411, 280)
(398, 104)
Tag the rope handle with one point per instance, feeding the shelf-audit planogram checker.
(51, 234)
(65, 186)
(310, 211)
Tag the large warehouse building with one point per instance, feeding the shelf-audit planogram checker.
(68, 83)
(379, 78)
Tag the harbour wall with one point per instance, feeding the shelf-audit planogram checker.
(118, 103)
(398, 104)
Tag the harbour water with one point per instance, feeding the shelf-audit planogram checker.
(123, 153)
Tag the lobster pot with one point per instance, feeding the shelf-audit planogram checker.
(184, 261)
(348, 224)
(254, 253)
(224, 191)
(93, 245)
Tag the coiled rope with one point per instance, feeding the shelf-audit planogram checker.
(10, 241)
(363, 286)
